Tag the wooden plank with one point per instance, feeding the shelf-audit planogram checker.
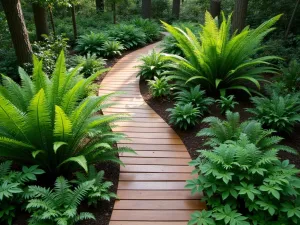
(147, 141)
(152, 135)
(157, 169)
(145, 223)
(152, 215)
(140, 111)
(158, 154)
(157, 194)
(154, 161)
(141, 124)
(141, 129)
(154, 147)
(156, 176)
(143, 185)
(159, 204)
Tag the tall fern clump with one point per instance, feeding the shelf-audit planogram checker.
(219, 60)
(51, 122)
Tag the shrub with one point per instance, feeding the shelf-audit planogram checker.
(159, 87)
(278, 112)
(49, 49)
(99, 189)
(58, 206)
(197, 97)
(220, 61)
(112, 48)
(128, 35)
(227, 103)
(90, 63)
(245, 185)
(291, 76)
(149, 27)
(51, 122)
(13, 186)
(184, 116)
(153, 65)
(91, 43)
(221, 131)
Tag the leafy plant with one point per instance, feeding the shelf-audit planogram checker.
(279, 112)
(112, 48)
(49, 49)
(219, 60)
(184, 116)
(246, 185)
(196, 96)
(13, 185)
(128, 35)
(100, 188)
(51, 122)
(58, 206)
(221, 131)
(159, 87)
(227, 103)
(149, 27)
(291, 76)
(90, 63)
(91, 43)
(153, 65)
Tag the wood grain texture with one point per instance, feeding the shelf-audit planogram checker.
(152, 184)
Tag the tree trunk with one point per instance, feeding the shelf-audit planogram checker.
(176, 9)
(239, 15)
(146, 9)
(100, 5)
(114, 10)
(215, 8)
(40, 20)
(18, 31)
(74, 21)
(52, 21)
(292, 19)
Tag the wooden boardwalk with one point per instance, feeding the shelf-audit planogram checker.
(151, 186)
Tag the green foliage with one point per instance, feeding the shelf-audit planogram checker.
(99, 190)
(244, 184)
(149, 27)
(161, 9)
(227, 103)
(112, 49)
(197, 97)
(13, 185)
(184, 116)
(278, 112)
(291, 76)
(59, 205)
(90, 63)
(153, 65)
(52, 123)
(220, 60)
(49, 49)
(159, 87)
(231, 129)
(128, 35)
(91, 43)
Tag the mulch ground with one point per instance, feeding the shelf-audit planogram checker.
(194, 143)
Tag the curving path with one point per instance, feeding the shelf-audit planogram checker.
(151, 186)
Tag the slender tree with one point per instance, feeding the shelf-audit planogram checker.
(215, 8)
(100, 5)
(176, 9)
(292, 19)
(40, 19)
(18, 31)
(74, 21)
(146, 9)
(239, 15)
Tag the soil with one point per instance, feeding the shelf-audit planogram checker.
(194, 143)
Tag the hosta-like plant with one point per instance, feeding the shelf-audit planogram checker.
(159, 87)
(226, 103)
(112, 48)
(220, 131)
(59, 205)
(246, 185)
(278, 112)
(184, 116)
(153, 65)
(221, 60)
(196, 96)
(100, 190)
(51, 122)
(92, 43)
(13, 186)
